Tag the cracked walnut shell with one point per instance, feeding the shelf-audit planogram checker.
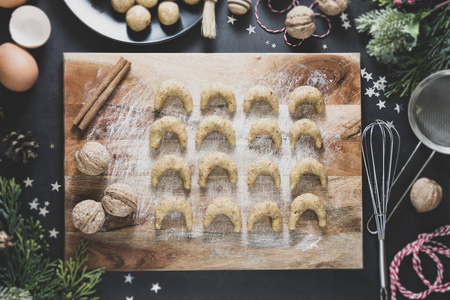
(300, 22)
(332, 7)
(88, 216)
(426, 194)
(92, 158)
(119, 200)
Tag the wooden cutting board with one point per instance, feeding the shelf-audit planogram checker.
(123, 126)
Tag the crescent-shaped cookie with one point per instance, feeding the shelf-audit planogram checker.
(175, 163)
(308, 165)
(306, 94)
(265, 209)
(304, 202)
(175, 88)
(308, 127)
(215, 123)
(218, 90)
(266, 126)
(170, 204)
(217, 159)
(167, 124)
(223, 206)
(260, 93)
(263, 165)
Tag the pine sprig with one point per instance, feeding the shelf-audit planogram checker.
(10, 217)
(25, 267)
(414, 41)
(72, 278)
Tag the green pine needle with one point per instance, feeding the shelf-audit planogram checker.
(25, 267)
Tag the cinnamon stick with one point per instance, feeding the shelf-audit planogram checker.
(103, 85)
(103, 97)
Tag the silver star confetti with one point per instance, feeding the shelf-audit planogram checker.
(251, 29)
(231, 20)
(155, 287)
(129, 278)
(381, 104)
(28, 182)
(55, 186)
(34, 204)
(43, 211)
(53, 233)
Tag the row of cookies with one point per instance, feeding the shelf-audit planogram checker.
(261, 165)
(176, 88)
(219, 124)
(226, 206)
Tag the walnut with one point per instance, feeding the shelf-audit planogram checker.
(426, 194)
(88, 216)
(92, 158)
(119, 200)
(300, 22)
(332, 7)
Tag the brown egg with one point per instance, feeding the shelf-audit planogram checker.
(18, 69)
(11, 3)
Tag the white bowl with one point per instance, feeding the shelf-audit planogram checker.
(29, 26)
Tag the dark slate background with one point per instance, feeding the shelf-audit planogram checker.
(41, 110)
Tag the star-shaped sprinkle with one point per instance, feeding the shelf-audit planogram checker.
(52, 146)
(381, 104)
(251, 29)
(43, 211)
(28, 182)
(129, 298)
(376, 85)
(381, 86)
(382, 79)
(155, 287)
(46, 203)
(370, 92)
(55, 186)
(363, 73)
(324, 46)
(274, 45)
(368, 76)
(231, 20)
(398, 108)
(34, 204)
(267, 42)
(53, 233)
(343, 16)
(391, 123)
(377, 94)
(346, 25)
(128, 278)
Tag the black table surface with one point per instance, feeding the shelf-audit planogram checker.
(41, 110)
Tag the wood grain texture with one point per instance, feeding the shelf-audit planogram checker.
(133, 243)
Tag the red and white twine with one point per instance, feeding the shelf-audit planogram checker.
(424, 244)
(292, 5)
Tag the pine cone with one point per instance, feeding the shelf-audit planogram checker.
(5, 240)
(21, 146)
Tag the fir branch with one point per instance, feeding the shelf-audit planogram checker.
(72, 278)
(10, 217)
(26, 269)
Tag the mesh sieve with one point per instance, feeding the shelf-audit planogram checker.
(429, 112)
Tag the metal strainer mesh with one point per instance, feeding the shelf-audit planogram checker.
(430, 112)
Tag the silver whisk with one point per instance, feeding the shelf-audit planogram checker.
(380, 145)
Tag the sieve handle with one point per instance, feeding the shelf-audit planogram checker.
(407, 190)
(411, 184)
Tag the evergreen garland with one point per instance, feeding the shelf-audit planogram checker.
(24, 268)
(414, 41)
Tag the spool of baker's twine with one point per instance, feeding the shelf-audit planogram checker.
(424, 244)
(292, 5)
